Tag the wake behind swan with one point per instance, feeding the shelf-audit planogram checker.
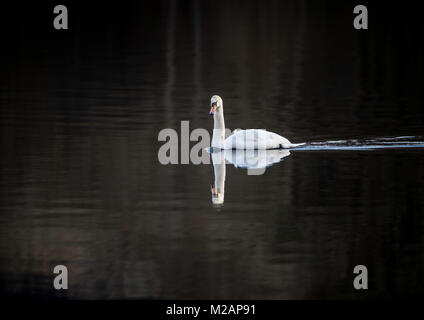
(400, 142)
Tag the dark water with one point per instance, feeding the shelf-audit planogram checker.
(81, 184)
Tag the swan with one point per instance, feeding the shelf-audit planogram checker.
(243, 139)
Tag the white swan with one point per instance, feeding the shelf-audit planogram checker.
(243, 139)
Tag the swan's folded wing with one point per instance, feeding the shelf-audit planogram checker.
(250, 139)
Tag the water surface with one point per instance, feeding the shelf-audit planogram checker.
(81, 184)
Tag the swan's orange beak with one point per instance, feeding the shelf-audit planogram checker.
(213, 108)
(213, 190)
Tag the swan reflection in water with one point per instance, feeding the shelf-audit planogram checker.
(255, 161)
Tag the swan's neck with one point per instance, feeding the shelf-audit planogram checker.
(218, 136)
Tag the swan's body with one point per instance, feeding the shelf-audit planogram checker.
(251, 139)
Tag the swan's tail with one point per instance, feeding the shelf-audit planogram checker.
(294, 145)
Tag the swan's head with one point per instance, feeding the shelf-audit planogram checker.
(216, 104)
(217, 197)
